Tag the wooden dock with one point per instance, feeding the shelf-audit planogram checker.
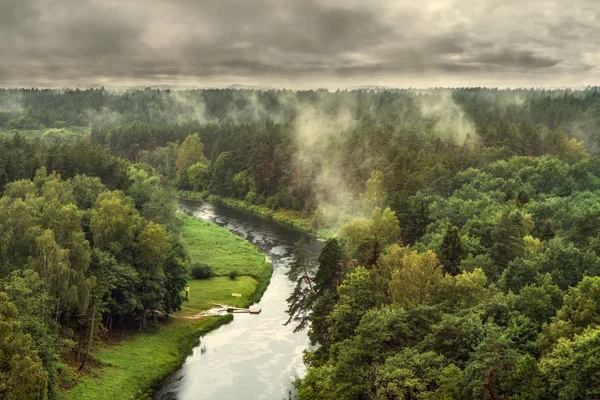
(254, 309)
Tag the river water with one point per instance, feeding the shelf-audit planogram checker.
(255, 356)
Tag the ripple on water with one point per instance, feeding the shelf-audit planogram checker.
(255, 356)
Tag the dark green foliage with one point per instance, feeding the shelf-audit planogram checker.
(451, 251)
(232, 275)
(331, 267)
(512, 212)
(547, 229)
(301, 272)
(201, 271)
(507, 237)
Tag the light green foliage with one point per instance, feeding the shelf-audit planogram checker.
(526, 381)
(154, 242)
(355, 233)
(449, 385)
(114, 223)
(382, 228)
(409, 375)
(86, 190)
(355, 298)
(415, 279)
(580, 309)
(190, 152)
(26, 291)
(198, 176)
(375, 195)
(22, 376)
(464, 290)
(573, 367)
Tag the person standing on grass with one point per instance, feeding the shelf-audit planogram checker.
(187, 292)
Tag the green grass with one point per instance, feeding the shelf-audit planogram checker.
(135, 365)
(222, 250)
(203, 293)
(132, 367)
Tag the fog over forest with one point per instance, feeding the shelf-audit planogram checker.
(404, 197)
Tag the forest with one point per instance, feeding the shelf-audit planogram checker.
(462, 258)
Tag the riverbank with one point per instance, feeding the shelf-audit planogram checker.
(296, 219)
(129, 367)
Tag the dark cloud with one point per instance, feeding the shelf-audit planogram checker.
(299, 42)
(517, 59)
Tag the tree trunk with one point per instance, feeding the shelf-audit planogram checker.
(488, 386)
(89, 346)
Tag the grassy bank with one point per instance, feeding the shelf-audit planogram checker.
(132, 366)
(297, 219)
(224, 252)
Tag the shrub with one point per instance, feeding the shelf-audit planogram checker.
(201, 271)
(233, 275)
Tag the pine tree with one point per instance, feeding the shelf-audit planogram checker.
(300, 272)
(452, 251)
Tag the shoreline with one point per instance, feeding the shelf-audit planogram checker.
(295, 219)
(137, 366)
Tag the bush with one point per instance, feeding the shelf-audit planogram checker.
(233, 275)
(201, 271)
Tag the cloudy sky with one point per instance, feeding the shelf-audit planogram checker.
(300, 43)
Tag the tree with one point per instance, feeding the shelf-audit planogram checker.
(22, 375)
(409, 375)
(415, 279)
(198, 176)
(451, 251)
(580, 309)
(572, 369)
(375, 194)
(381, 230)
(526, 381)
(540, 301)
(115, 223)
(176, 276)
(490, 366)
(507, 236)
(300, 272)
(190, 152)
(331, 268)
(355, 299)
(221, 181)
(26, 291)
(467, 289)
(547, 229)
(329, 275)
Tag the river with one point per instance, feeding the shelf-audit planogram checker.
(255, 356)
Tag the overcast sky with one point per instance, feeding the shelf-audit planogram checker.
(300, 43)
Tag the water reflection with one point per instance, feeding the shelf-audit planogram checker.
(255, 356)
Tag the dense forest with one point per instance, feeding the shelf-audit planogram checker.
(465, 262)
